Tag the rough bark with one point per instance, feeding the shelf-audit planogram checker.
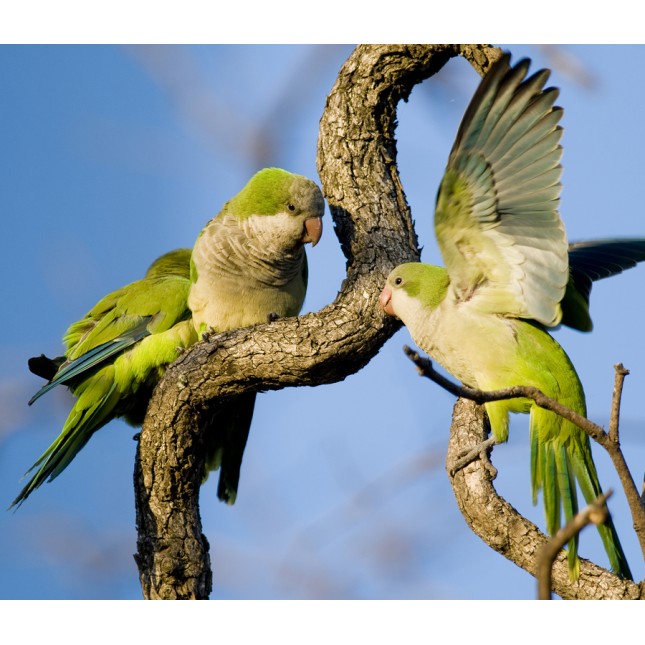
(500, 526)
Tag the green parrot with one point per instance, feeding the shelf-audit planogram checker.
(248, 266)
(507, 278)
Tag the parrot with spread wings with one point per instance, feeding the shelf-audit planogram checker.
(510, 275)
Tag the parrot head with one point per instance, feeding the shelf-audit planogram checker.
(249, 261)
(413, 287)
(279, 209)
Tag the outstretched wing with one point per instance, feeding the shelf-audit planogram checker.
(497, 220)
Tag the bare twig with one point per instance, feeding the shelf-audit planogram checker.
(596, 432)
(424, 365)
(595, 513)
(614, 420)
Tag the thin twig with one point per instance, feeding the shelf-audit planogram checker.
(596, 432)
(614, 420)
(595, 513)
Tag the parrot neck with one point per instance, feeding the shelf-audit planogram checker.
(458, 336)
(250, 250)
(243, 273)
(489, 351)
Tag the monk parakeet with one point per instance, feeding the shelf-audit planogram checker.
(506, 279)
(248, 266)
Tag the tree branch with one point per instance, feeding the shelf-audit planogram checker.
(484, 496)
(357, 167)
(500, 526)
(595, 513)
(614, 419)
(425, 368)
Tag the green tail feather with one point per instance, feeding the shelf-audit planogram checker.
(88, 415)
(590, 487)
(560, 456)
(569, 502)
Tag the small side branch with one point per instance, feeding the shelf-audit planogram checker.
(609, 441)
(595, 513)
(614, 420)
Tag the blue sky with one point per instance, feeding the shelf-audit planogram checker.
(111, 156)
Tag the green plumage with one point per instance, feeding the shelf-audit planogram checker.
(509, 275)
(114, 357)
(248, 265)
(560, 451)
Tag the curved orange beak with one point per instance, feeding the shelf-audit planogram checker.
(313, 231)
(385, 300)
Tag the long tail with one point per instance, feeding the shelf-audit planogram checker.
(94, 407)
(560, 456)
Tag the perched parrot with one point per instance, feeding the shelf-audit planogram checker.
(248, 266)
(507, 278)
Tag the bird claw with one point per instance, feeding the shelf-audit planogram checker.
(272, 317)
(208, 333)
(480, 451)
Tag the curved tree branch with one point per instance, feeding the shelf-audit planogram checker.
(357, 167)
(500, 526)
(609, 441)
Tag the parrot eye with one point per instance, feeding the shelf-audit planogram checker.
(291, 207)
(398, 281)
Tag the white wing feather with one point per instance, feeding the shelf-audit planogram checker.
(497, 220)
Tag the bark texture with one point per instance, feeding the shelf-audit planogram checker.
(498, 524)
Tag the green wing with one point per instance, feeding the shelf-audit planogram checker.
(497, 220)
(70, 370)
(114, 357)
(116, 323)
